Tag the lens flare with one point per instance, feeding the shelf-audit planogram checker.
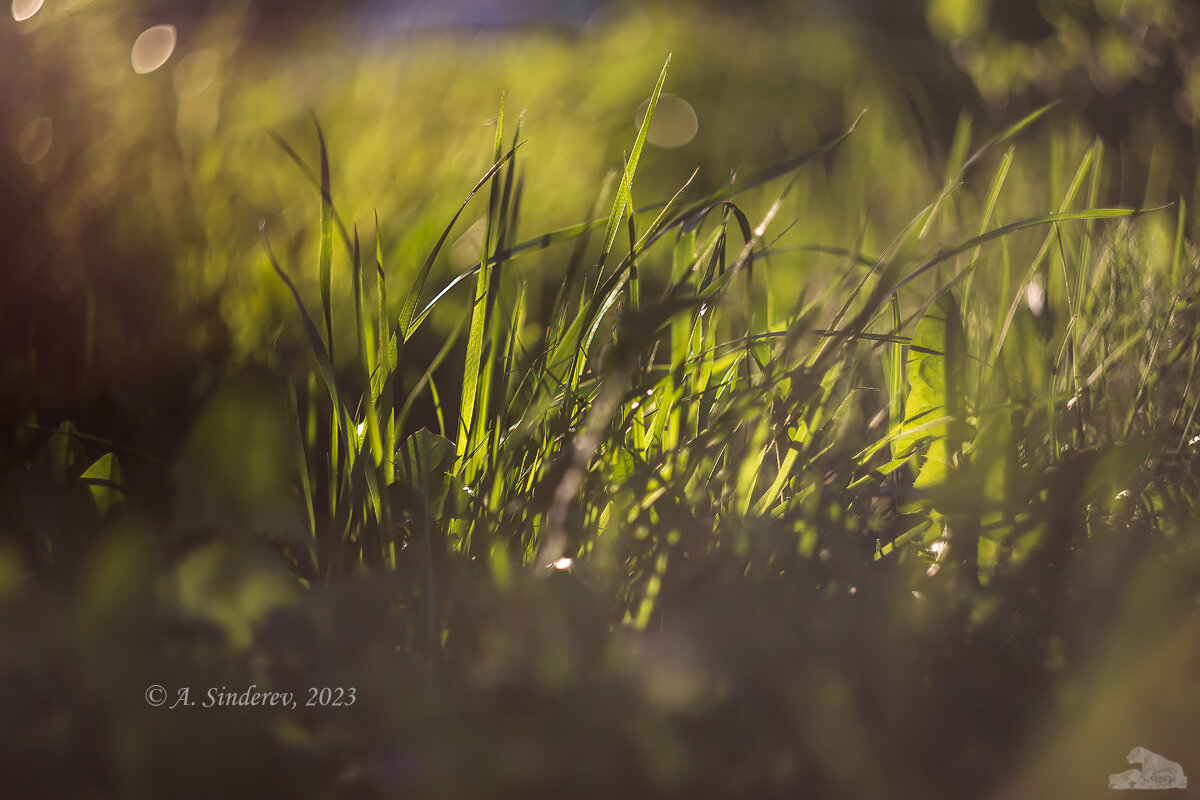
(1035, 295)
(34, 140)
(24, 9)
(152, 49)
(674, 124)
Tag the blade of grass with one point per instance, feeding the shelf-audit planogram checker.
(427, 377)
(464, 440)
(325, 260)
(623, 199)
(406, 324)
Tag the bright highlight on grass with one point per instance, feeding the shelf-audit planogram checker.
(152, 48)
(24, 9)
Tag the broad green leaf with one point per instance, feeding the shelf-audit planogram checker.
(423, 464)
(106, 482)
(994, 456)
(423, 457)
(936, 370)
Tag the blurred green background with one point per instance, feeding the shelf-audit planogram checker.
(132, 200)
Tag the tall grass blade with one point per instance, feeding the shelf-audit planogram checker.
(623, 199)
(325, 260)
(340, 414)
(465, 440)
(407, 325)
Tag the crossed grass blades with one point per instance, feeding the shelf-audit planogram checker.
(659, 418)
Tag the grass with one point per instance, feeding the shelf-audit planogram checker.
(680, 530)
(708, 416)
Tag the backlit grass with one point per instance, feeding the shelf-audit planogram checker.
(715, 492)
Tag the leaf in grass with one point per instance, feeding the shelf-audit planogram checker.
(423, 463)
(424, 455)
(936, 370)
(106, 482)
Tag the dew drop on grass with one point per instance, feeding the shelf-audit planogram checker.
(152, 48)
(24, 9)
(34, 140)
(938, 549)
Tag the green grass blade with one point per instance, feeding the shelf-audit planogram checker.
(407, 325)
(1177, 254)
(366, 352)
(1072, 192)
(622, 200)
(324, 364)
(468, 430)
(1008, 133)
(325, 259)
(959, 147)
(302, 466)
(427, 378)
(989, 209)
(1013, 227)
(313, 181)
